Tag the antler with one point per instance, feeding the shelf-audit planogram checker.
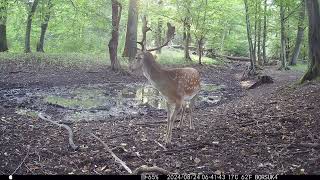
(170, 36)
(145, 29)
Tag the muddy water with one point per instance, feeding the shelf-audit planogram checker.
(99, 101)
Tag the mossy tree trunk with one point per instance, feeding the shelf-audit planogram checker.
(44, 27)
(3, 25)
(33, 7)
(252, 70)
(300, 33)
(113, 43)
(314, 40)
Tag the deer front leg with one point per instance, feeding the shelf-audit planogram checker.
(184, 106)
(168, 119)
(170, 123)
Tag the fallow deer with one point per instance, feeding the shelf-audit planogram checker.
(176, 85)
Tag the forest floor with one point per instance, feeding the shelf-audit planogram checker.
(272, 129)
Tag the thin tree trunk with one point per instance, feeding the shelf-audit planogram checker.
(31, 12)
(3, 26)
(314, 40)
(252, 56)
(159, 30)
(300, 33)
(44, 27)
(287, 22)
(264, 53)
(223, 38)
(200, 49)
(186, 38)
(255, 30)
(113, 43)
(259, 34)
(283, 37)
(130, 49)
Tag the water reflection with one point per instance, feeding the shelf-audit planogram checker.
(123, 100)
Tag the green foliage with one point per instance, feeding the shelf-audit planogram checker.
(173, 56)
(81, 27)
(300, 67)
(47, 60)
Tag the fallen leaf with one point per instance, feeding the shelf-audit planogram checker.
(197, 160)
(217, 172)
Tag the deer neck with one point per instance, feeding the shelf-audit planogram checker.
(154, 72)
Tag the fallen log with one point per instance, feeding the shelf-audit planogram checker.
(262, 80)
(235, 58)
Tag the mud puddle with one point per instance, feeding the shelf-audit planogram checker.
(98, 101)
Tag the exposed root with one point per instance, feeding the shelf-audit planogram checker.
(74, 147)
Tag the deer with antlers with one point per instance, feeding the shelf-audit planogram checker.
(176, 85)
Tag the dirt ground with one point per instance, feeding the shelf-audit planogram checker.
(272, 129)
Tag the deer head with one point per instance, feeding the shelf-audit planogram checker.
(137, 63)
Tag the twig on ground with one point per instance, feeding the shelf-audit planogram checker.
(28, 169)
(21, 161)
(145, 168)
(310, 145)
(151, 123)
(164, 148)
(123, 164)
(191, 146)
(74, 147)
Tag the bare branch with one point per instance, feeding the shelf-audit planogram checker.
(145, 168)
(22, 161)
(74, 147)
(123, 164)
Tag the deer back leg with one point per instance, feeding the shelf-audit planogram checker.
(172, 119)
(191, 106)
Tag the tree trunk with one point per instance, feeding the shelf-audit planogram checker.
(264, 53)
(300, 33)
(3, 26)
(287, 22)
(255, 30)
(159, 30)
(130, 49)
(314, 40)
(283, 37)
(33, 7)
(200, 48)
(44, 26)
(223, 38)
(187, 39)
(259, 34)
(252, 56)
(113, 43)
